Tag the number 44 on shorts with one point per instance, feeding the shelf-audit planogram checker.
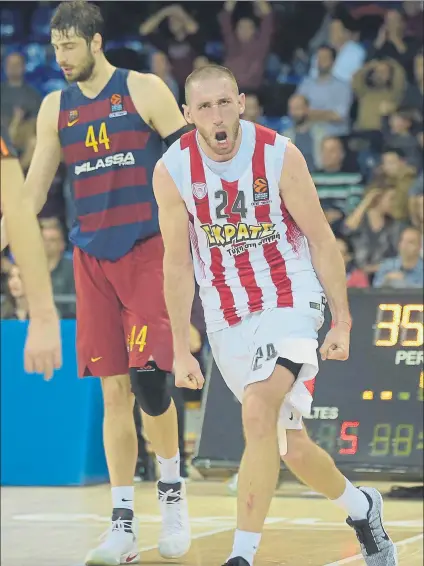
(138, 338)
(271, 353)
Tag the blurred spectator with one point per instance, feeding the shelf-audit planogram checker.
(414, 95)
(303, 133)
(354, 277)
(413, 11)
(379, 87)
(246, 48)
(61, 268)
(15, 304)
(183, 43)
(160, 66)
(392, 42)
(395, 173)
(329, 98)
(19, 107)
(322, 35)
(406, 270)
(415, 202)
(200, 62)
(339, 190)
(253, 110)
(397, 134)
(372, 229)
(349, 54)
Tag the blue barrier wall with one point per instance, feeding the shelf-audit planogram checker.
(51, 432)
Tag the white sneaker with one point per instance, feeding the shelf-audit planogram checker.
(118, 547)
(175, 537)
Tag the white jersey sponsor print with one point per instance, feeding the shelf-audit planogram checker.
(249, 254)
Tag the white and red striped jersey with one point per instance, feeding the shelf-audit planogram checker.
(248, 253)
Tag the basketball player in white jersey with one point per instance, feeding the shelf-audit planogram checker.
(267, 262)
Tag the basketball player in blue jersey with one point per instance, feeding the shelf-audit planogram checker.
(43, 353)
(111, 124)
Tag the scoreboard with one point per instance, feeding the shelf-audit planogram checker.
(368, 411)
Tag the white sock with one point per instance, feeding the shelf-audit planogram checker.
(245, 545)
(169, 468)
(123, 497)
(354, 502)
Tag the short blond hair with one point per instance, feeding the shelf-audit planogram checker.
(209, 71)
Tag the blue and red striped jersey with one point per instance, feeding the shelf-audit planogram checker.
(110, 153)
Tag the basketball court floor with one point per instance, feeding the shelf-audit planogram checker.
(57, 526)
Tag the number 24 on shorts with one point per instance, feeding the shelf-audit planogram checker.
(137, 339)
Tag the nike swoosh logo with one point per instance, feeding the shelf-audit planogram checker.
(126, 500)
(131, 558)
(73, 122)
(96, 359)
(291, 417)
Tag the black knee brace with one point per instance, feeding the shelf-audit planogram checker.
(149, 387)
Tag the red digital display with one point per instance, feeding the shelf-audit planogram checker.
(352, 438)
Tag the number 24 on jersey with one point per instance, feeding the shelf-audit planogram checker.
(91, 140)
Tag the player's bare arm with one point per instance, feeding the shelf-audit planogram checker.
(178, 274)
(46, 156)
(155, 103)
(300, 196)
(43, 346)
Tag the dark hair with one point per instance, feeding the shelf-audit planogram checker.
(207, 71)
(329, 48)
(84, 17)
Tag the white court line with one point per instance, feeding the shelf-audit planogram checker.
(358, 556)
(270, 521)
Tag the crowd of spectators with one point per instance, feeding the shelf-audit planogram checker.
(343, 80)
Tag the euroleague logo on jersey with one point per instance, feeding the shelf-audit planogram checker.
(116, 106)
(260, 191)
(200, 190)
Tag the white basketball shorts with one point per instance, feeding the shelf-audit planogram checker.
(247, 353)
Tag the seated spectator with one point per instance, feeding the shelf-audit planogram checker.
(329, 98)
(160, 66)
(354, 277)
(19, 107)
(182, 44)
(339, 190)
(306, 135)
(15, 304)
(415, 202)
(392, 42)
(246, 48)
(253, 111)
(395, 173)
(414, 95)
(413, 12)
(397, 133)
(405, 271)
(60, 266)
(379, 88)
(372, 229)
(350, 55)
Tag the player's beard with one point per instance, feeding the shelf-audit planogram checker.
(232, 133)
(85, 72)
